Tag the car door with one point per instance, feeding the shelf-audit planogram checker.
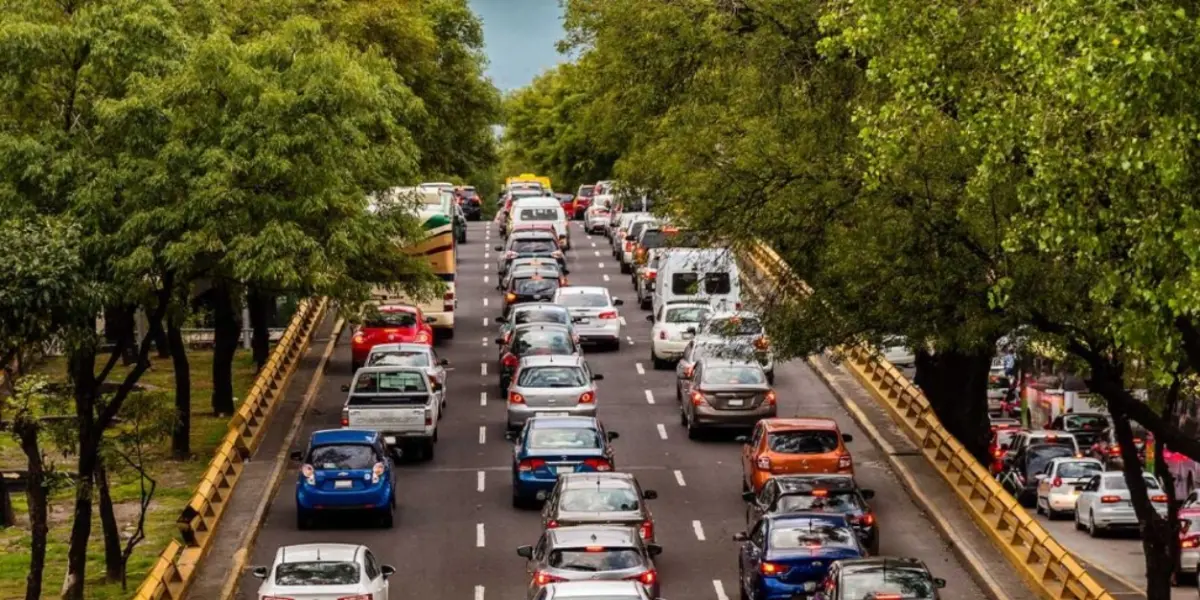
(531, 565)
(1048, 472)
(748, 450)
(751, 558)
(377, 584)
(765, 501)
(1088, 496)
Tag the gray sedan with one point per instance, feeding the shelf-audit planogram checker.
(726, 395)
(589, 553)
(551, 385)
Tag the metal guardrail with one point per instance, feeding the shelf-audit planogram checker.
(172, 574)
(1050, 569)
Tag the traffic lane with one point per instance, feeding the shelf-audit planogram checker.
(1117, 555)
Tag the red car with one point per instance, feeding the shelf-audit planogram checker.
(1002, 435)
(389, 324)
(583, 199)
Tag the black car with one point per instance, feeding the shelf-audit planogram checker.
(530, 244)
(538, 286)
(880, 577)
(817, 493)
(600, 499)
(546, 339)
(1018, 476)
(1087, 427)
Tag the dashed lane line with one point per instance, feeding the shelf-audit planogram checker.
(482, 434)
(679, 478)
(662, 431)
(601, 265)
(720, 589)
(640, 369)
(699, 530)
(606, 277)
(483, 398)
(479, 538)
(485, 278)
(486, 266)
(630, 340)
(485, 321)
(480, 477)
(479, 592)
(597, 253)
(483, 369)
(593, 244)
(621, 319)
(649, 397)
(485, 301)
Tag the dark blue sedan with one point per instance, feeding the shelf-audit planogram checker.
(345, 470)
(550, 445)
(788, 555)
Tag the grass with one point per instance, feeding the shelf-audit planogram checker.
(176, 482)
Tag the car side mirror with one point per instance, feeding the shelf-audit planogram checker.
(939, 583)
(748, 496)
(691, 330)
(612, 435)
(742, 439)
(499, 341)
(525, 552)
(740, 536)
(437, 387)
(260, 572)
(297, 455)
(498, 248)
(653, 549)
(445, 362)
(501, 319)
(345, 387)
(649, 318)
(597, 377)
(847, 438)
(650, 495)
(618, 302)
(387, 571)
(867, 494)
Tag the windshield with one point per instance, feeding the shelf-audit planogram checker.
(1077, 469)
(811, 533)
(686, 314)
(543, 342)
(804, 441)
(739, 375)
(1117, 482)
(587, 191)
(342, 457)
(541, 316)
(529, 287)
(539, 214)
(399, 359)
(595, 559)
(575, 438)
(731, 326)
(390, 382)
(906, 583)
(531, 246)
(1084, 422)
(1005, 436)
(841, 502)
(317, 573)
(583, 300)
(390, 319)
(597, 499)
(552, 377)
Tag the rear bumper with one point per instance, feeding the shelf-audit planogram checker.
(1189, 560)
(517, 414)
(770, 588)
(399, 438)
(1059, 502)
(709, 417)
(611, 330)
(441, 320)
(531, 487)
(378, 496)
(669, 349)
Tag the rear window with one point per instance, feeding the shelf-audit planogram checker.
(895, 582)
(317, 573)
(583, 300)
(587, 191)
(543, 342)
(815, 534)
(399, 359)
(338, 457)
(1085, 422)
(725, 351)
(528, 246)
(731, 326)
(1117, 482)
(525, 271)
(575, 438)
(598, 499)
(686, 314)
(541, 316)
(539, 214)
(530, 286)
(595, 559)
(1074, 470)
(1040, 457)
(805, 441)
(387, 320)
(734, 375)
(397, 382)
(833, 502)
(552, 377)
(658, 238)
(687, 284)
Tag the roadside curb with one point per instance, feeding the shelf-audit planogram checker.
(241, 555)
(974, 564)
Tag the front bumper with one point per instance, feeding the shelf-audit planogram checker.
(709, 417)
(377, 496)
(517, 414)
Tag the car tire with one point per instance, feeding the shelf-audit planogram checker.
(625, 268)
(659, 364)
(388, 518)
(1037, 506)
(518, 502)
(1078, 524)
(447, 334)
(741, 588)
(1093, 531)
(427, 449)
(693, 432)
(646, 304)
(303, 523)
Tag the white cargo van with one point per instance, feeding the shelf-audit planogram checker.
(543, 210)
(708, 274)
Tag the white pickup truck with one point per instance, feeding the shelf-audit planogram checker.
(402, 403)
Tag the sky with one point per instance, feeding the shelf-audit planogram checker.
(519, 37)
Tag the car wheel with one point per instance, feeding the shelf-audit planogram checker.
(1078, 524)
(693, 432)
(302, 520)
(1052, 514)
(659, 364)
(645, 304)
(771, 377)
(625, 268)
(741, 588)
(683, 417)
(427, 450)
(388, 518)
(1037, 506)
(518, 502)
(1092, 530)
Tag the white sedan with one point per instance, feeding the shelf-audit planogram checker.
(1056, 491)
(674, 326)
(324, 572)
(1104, 503)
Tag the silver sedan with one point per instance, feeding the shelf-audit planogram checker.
(551, 385)
(593, 313)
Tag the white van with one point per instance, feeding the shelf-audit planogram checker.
(543, 210)
(702, 274)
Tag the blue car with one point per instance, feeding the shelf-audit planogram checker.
(788, 555)
(550, 445)
(345, 471)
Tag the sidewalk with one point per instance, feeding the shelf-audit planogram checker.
(239, 515)
(927, 487)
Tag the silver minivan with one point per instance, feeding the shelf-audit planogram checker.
(551, 385)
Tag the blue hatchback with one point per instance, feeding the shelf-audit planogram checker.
(345, 470)
(788, 555)
(548, 446)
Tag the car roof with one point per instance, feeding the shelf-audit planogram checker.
(874, 562)
(322, 552)
(591, 589)
(785, 519)
(792, 484)
(537, 306)
(401, 347)
(590, 480)
(1087, 459)
(343, 436)
(388, 369)
(583, 289)
(536, 202)
(1049, 432)
(548, 422)
(785, 424)
(592, 535)
(541, 325)
(573, 360)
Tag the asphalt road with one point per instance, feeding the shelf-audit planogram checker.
(456, 531)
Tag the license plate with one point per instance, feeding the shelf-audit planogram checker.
(688, 336)
(737, 402)
(580, 320)
(343, 485)
(547, 413)
(810, 586)
(389, 439)
(565, 469)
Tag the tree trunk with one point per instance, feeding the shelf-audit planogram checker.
(81, 364)
(227, 330)
(119, 328)
(162, 345)
(956, 385)
(108, 524)
(181, 432)
(262, 310)
(1158, 536)
(35, 494)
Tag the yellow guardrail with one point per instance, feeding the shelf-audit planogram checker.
(1050, 569)
(173, 572)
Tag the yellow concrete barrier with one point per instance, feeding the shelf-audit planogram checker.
(1051, 571)
(172, 573)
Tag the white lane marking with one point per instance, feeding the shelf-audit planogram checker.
(679, 478)
(479, 478)
(485, 342)
(629, 339)
(483, 369)
(487, 255)
(720, 590)
(696, 527)
(479, 535)
(662, 431)
(487, 266)
(597, 253)
(485, 321)
(594, 245)
(485, 278)
(483, 398)
(621, 319)
(485, 301)
(649, 397)
(640, 369)
(479, 592)
(483, 434)
(606, 277)
(601, 265)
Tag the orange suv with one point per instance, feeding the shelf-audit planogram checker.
(791, 447)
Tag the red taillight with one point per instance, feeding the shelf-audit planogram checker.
(845, 462)
(610, 314)
(647, 578)
(515, 398)
(763, 462)
(510, 297)
(1114, 450)
(887, 596)
(997, 453)
(359, 337)
(587, 398)
(647, 530)
(628, 246)
(1158, 498)
(448, 301)
(771, 569)
(310, 475)
(650, 275)
(510, 360)
(771, 398)
(867, 520)
(1110, 499)
(1057, 482)
(737, 306)
(662, 334)
(1190, 541)
(424, 338)
(697, 399)
(530, 464)
(599, 464)
(358, 597)
(345, 417)
(552, 524)
(543, 578)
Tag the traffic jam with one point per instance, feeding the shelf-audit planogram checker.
(809, 529)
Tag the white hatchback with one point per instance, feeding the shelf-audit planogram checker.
(324, 572)
(674, 326)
